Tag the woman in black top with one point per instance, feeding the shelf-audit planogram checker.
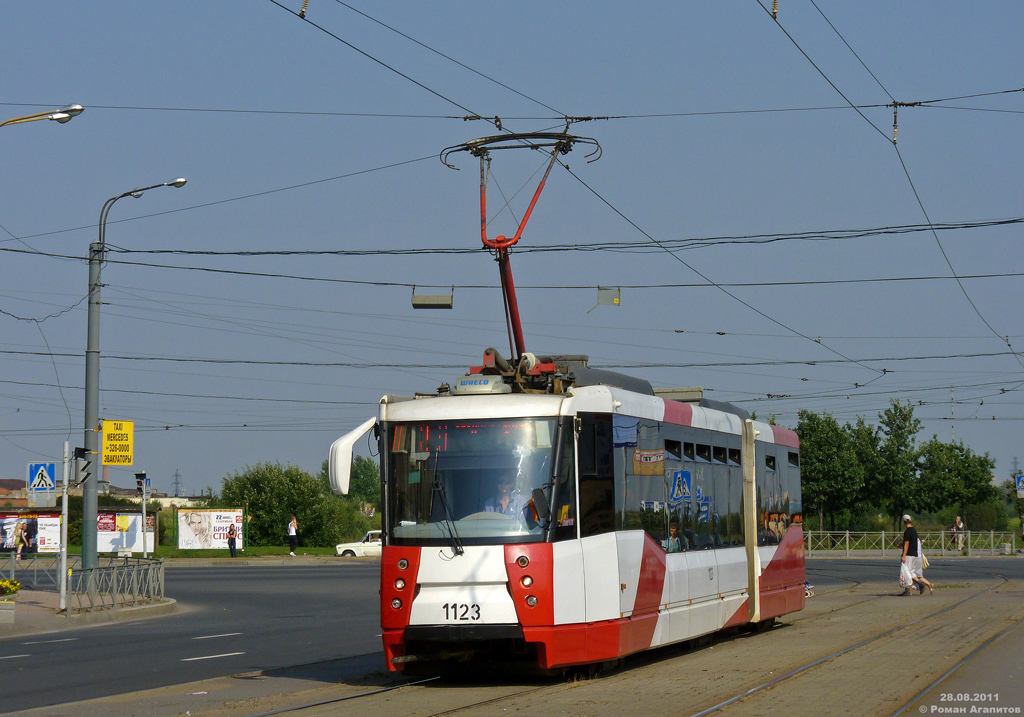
(912, 557)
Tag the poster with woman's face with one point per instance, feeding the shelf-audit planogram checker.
(194, 530)
(208, 528)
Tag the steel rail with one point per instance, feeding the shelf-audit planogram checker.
(803, 668)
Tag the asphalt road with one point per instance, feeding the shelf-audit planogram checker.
(232, 620)
(239, 619)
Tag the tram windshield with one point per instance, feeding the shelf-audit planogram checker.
(469, 480)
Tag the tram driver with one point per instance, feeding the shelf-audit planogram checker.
(504, 501)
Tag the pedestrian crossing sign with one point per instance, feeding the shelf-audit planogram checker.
(1020, 484)
(42, 476)
(42, 485)
(680, 488)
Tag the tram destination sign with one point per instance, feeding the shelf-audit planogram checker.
(118, 443)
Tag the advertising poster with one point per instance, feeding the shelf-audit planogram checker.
(123, 530)
(207, 528)
(37, 532)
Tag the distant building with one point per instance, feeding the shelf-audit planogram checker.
(13, 493)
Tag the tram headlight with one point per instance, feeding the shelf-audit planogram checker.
(522, 561)
(399, 584)
(396, 603)
(531, 600)
(527, 581)
(403, 564)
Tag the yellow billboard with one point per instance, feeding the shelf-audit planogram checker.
(118, 442)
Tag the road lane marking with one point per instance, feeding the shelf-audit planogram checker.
(210, 637)
(11, 657)
(206, 657)
(48, 642)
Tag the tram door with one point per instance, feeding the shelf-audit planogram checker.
(596, 476)
(705, 612)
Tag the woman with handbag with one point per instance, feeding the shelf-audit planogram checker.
(912, 559)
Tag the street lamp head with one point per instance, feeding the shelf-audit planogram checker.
(61, 117)
(179, 182)
(72, 110)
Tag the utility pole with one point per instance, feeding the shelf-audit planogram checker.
(952, 417)
(177, 483)
(97, 252)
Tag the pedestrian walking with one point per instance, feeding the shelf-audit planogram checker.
(20, 538)
(232, 535)
(912, 558)
(293, 535)
(960, 531)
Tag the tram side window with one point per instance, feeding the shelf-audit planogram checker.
(770, 523)
(564, 503)
(596, 474)
(703, 453)
(732, 529)
(688, 452)
(643, 488)
(673, 450)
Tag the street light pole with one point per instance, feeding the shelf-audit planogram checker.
(97, 250)
(64, 114)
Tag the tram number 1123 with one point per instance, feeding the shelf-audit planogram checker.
(461, 611)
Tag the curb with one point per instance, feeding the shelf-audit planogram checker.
(41, 620)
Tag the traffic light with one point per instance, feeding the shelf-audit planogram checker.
(140, 482)
(83, 465)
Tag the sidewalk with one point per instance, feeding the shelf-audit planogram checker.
(37, 611)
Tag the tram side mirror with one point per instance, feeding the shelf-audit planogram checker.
(339, 469)
(540, 504)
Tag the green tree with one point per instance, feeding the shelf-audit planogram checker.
(1010, 496)
(865, 441)
(831, 476)
(896, 470)
(951, 474)
(273, 493)
(364, 482)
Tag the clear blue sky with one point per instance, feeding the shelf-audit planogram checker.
(292, 140)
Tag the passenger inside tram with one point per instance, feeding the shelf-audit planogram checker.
(673, 543)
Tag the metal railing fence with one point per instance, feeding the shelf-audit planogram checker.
(939, 543)
(116, 582)
(35, 571)
(124, 582)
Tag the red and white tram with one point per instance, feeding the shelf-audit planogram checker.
(577, 524)
(543, 510)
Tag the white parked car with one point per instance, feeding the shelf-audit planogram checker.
(367, 546)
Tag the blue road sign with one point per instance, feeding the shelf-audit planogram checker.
(42, 477)
(680, 493)
(1020, 484)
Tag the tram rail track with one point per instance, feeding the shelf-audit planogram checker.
(474, 704)
(803, 669)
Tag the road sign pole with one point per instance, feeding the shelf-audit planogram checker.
(145, 554)
(64, 531)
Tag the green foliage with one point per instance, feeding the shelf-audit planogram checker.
(853, 473)
(75, 531)
(365, 484)
(897, 464)
(273, 493)
(952, 474)
(990, 515)
(1015, 504)
(830, 474)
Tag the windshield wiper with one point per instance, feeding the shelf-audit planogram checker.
(448, 520)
